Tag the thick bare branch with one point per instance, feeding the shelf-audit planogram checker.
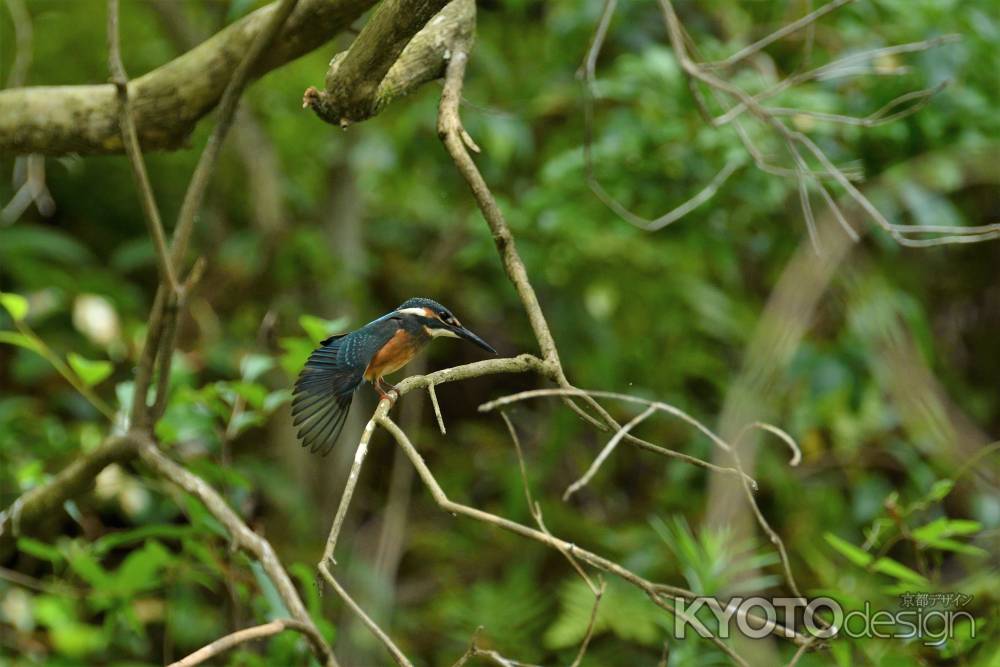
(169, 101)
(404, 45)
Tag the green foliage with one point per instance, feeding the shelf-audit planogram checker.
(624, 611)
(887, 500)
(714, 561)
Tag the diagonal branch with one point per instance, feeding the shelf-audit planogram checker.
(807, 20)
(403, 45)
(458, 142)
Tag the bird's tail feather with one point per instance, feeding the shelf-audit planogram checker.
(322, 398)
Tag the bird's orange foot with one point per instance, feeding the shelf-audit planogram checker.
(381, 385)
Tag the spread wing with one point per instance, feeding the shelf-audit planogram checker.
(322, 396)
(323, 392)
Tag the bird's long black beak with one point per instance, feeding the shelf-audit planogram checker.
(462, 332)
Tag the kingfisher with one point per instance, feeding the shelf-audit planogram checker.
(325, 387)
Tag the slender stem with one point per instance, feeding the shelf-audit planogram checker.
(397, 655)
(352, 480)
(234, 639)
(131, 142)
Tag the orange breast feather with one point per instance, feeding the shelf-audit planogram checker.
(394, 355)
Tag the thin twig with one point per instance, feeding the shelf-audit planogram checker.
(837, 68)
(161, 339)
(234, 639)
(792, 139)
(131, 142)
(588, 635)
(606, 452)
(761, 520)
(665, 407)
(789, 28)
(352, 480)
(536, 509)
(437, 409)
(397, 655)
(671, 216)
(654, 590)
(876, 118)
(195, 194)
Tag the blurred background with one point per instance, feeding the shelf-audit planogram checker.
(882, 361)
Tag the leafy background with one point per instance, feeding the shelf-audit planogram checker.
(310, 230)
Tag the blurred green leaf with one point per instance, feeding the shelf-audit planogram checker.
(114, 540)
(20, 340)
(39, 549)
(296, 353)
(15, 304)
(940, 490)
(91, 372)
(79, 640)
(624, 611)
(254, 365)
(858, 556)
(140, 571)
(87, 567)
(276, 399)
(319, 329)
(276, 606)
(894, 568)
